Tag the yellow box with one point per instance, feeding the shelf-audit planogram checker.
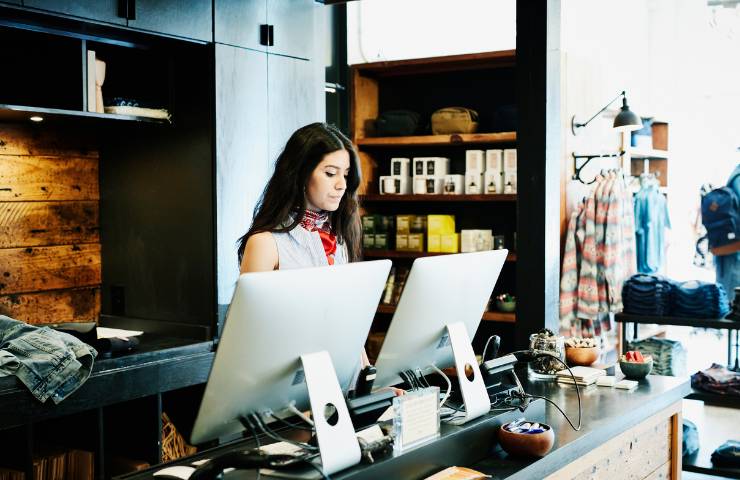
(450, 243)
(440, 224)
(416, 242)
(402, 241)
(403, 224)
(434, 243)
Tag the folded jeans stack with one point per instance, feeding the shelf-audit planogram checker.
(647, 295)
(669, 356)
(699, 300)
(717, 379)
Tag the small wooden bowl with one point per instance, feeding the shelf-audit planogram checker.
(583, 356)
(527, 444)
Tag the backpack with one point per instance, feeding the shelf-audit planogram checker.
(720, 214)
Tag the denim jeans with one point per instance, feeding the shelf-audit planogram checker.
(50, 363)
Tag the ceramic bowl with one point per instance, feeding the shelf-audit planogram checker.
(527, 444)
(505, 306)
(583, 356)
(636, 371)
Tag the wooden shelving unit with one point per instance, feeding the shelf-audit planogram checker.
(501, 197)
(471, 139)
(503, 317)
(511, 257)
(16, 113)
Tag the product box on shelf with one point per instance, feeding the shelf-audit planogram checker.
(368, 241)
(402, 241)
(440, 224)
(403, 224)
(435, 185)
(476, 240)
(510, 182)
(473, 182)
(392, 185)
(418, 224)
(368, 223)
(493, 182)
(510, 160)
(419, 184)
(450, 243)
(474, 160)
(437, 167)
(416, 242)
(401, 167)
(434, 243)
(419, 166)
(454, 184)
(381, 241)
(495, 160)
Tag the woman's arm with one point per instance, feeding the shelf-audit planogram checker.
(260, 254)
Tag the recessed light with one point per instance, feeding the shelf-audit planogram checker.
(36, 118)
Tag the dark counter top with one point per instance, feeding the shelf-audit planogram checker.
(160, 364)
(606, 413)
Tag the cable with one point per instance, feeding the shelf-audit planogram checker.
(289, 424)
(449, 385)
(267, 431)
(246, 422)
(485, 348)
(317, 468)
(293, 409)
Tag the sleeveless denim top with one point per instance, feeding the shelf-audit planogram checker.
(300, 248)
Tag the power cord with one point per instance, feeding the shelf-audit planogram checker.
(270, 433)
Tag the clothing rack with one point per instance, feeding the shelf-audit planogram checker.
(577, 173)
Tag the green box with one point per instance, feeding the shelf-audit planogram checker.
(381, 241)
(368, 241)
(369, 223)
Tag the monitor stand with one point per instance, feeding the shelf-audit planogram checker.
(474, 393)
(338, 444)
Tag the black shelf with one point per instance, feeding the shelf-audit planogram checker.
(18, 113)
(714, 399)
(719, 323)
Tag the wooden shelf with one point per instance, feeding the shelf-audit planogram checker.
(501, 197)
(502, 317)
(370, 253)
(637, 152)
(438, 140)
(16, 113)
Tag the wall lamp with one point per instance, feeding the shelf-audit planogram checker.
(625, 121)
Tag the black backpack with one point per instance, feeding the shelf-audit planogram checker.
(720, 214)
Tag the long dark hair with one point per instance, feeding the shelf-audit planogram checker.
(285, 192)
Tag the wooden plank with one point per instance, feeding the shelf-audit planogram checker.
(472, 61)
(635, 453)
(48, 178)
(435, 140)
(49, 268)
(41, 141)
(30, 224)
(74, 305)
(363, 105)
(676, 446)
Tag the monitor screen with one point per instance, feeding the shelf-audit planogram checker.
(439, 290)
(273, 319)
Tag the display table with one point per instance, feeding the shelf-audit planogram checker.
(635, 434)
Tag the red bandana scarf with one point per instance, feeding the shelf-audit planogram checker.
(319, 222)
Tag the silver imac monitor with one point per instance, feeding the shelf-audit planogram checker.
(274, 318)
(440, 290)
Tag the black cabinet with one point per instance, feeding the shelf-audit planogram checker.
(191, 19)
(238, 22)
(241, 152)
(99, 10)
(284, 27)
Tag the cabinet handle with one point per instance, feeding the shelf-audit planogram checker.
(270, 35)
(264, 34)
(132, 9)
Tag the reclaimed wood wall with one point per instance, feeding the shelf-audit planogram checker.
(50, 269)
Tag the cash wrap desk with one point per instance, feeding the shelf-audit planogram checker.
(634, 434)
(117, 411)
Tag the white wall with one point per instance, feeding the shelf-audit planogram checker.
(401, 29)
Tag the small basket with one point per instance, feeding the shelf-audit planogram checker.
(173, 444)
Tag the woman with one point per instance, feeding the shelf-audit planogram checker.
(308, 215)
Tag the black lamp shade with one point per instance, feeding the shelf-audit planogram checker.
(627, 120)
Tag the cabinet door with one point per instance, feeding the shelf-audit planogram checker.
(100, 10)
(241, 152)
(237, 22)
(191, 19)
(293, 27)
(294, 96)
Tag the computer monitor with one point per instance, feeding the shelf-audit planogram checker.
(439, 291)
(274, 318)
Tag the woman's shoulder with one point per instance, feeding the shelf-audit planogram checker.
(260, 253)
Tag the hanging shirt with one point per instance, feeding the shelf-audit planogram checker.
(651, 220)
